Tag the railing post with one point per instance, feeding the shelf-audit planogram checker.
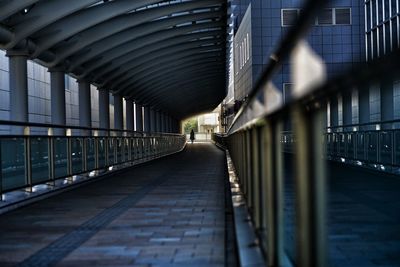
(1, 174)
(28, 163)
(311, 191)
(69, 155)
(51, 153)
(96, 153)
(273, 199)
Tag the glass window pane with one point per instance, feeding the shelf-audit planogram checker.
(289, 17)
(343, 16)
(325, 17)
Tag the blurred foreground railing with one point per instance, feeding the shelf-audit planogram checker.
(28, 160)
(255, 142)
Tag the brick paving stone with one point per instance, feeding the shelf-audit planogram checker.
(177, 220)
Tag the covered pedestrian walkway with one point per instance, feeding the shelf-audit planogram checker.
(167, 212)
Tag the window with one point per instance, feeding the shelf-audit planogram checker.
(290, 16)
(343, 16)
(325, 17)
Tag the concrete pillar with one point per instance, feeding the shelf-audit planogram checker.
(139, 117)
(169, 121)
(363, 106)
(158, 121)
(57, 99)
(334, 112)
(18, 72)
(118, 113)
(163, 129)
(347, 108)
(152, 120)
(85, 106)
(147, 119)
(387, 103)
(104, 108)
(129, 114)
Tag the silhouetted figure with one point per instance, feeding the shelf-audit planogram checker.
(192, 136)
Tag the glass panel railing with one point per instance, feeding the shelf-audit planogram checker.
(111, 151)
(77, 155)
(61, 157)
(90, 153)
(126, 149)
(101, 142)
(385, 147)
(40, 159)
(13, 163)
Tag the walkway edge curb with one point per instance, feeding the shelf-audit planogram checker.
(250, 253)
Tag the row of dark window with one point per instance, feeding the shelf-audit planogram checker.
(328, 16)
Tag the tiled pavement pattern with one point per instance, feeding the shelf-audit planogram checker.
(166, 213)
(363, 218)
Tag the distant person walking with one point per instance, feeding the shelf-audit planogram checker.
(192, 136)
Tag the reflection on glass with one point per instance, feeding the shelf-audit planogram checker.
(77, 155)
(111, 151)
(90, 154)
(61, 157)
(13, 163)
(118, 142)
(289, 209)
(126, 149)
(40, 159)
(102, 152)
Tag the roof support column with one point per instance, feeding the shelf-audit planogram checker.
(163, 123)
(129, 115)
(152, 120)
(57, 99)
(139, 117)
(85, 106)
(147, 119)
(118, 113)
(363, 106)
(169, 122)
(104, 108)
(18, 72)
(158, 121)
(387, 103)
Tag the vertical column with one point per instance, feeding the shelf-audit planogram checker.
(170, 124)
(18, 72)
(152, 120)
(104, 108)
(139, 117)
(163, 128)
(118, 113)
(147, 119)
(387, 103)
(363, 106)
(85, 106)
(334, 112)
(57, 85)
(347, 108)
(129, 114)
(158, 121)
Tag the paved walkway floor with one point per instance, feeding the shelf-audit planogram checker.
(166, 213)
